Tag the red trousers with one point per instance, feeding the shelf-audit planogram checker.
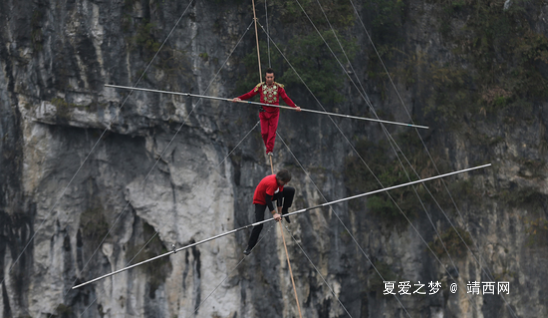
(269, 124)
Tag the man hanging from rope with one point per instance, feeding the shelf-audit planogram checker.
(271, 188)
(271, 92)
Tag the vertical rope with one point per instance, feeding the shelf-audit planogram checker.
(290, 271)
(317, 270)
(257, 39)
(271, 166)
(287, 255)
(268, 33)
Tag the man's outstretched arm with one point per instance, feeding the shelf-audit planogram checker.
(248, 95)
(288, 100)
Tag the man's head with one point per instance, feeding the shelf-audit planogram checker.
(283, 177)
(269, 77)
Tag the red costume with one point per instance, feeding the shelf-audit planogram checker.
(269, 115)
(267, 186)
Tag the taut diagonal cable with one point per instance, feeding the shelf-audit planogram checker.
(131, 260)
(367, 100)
(362, 160)
(317, 270)
(485, 268)
(163, 152)
(228, 274)
(418, 134)
(169, 144)
(268, 32)
(257, 38)
(341, 221)
(150, 240)
(91, 151)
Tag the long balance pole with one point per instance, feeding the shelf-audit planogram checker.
(262, 104)
(288, 214)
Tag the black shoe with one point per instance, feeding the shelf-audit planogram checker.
(286, 217)
(247, 251)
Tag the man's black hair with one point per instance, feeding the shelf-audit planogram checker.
(284, 175)
(270, 71)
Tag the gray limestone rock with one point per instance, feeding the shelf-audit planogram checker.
(95, 178)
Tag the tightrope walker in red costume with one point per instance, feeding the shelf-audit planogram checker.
(271, 92)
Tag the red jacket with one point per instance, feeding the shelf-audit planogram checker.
(270, 95)
(267, 186)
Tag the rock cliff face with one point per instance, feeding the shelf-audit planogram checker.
(94, 178)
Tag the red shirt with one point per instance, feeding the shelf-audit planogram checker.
(269, 186)
(270, 95)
